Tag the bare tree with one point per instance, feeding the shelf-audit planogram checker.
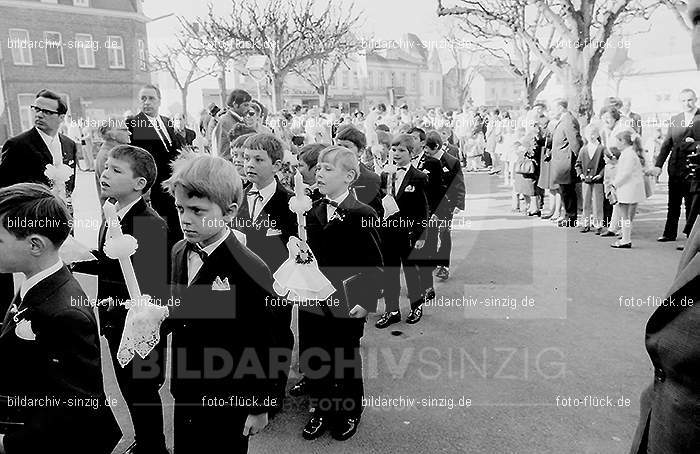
(288, 32)
(205, 38)
(467, 60)
(582, 31)
(183, 62)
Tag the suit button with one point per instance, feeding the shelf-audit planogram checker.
(659, 375)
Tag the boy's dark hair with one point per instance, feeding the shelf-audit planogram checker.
(352, 134)
(62, 106)
(433, 140)
(238, 130)
(383, 127)
(309, 153)
(421, 133)
(142, 163)
(404, 139)
(32, 209)
(237, 97)
(267, 142)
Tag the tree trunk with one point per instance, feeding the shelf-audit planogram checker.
(183, 95)
(580, 97)
(322, 98)
(223, 93)
(277, 88)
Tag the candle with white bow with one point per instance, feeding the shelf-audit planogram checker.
(300, 203)
(121, 247)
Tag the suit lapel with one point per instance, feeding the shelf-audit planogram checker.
(40, 146)
(8, 321)
(181, 270)
(406, 178)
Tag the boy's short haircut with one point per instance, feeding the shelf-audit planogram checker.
(238, 130)
(384, 138)
(406, 140)
(32, 209)
(141, 162)
(239, 141)
(267, 142)
(421, 133)
(433, 140)
(383, 127)
(352, 134)
(207, 176)
(309, 153)
(341, 157)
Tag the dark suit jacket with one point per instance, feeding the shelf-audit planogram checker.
(412, 201)
(566, 143)
(676, 149)
(267, 237)
(452, 187)
(591, 167)
(25, 156)
(347, 246)
(145, 136)
(432, 168)
(670, 406)
(367, 189)
(62, 363)
(230, 327)
(150, 262)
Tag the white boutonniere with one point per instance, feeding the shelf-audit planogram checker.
(410, 188)
(689, 140)
(445, 169)
(425, 171)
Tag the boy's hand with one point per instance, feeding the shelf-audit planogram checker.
(108, 304)
(582, 177)
(358, 312)
(2, 444)
(419, 244)
(254, 424)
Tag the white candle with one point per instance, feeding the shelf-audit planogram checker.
(114, 231)
(299, 193)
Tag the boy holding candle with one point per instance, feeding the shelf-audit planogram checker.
(49, 343)
(129, 173)
(268, 223)
(342, 236)
(402, 232)
(220, 326)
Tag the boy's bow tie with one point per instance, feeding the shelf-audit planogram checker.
(197, 249)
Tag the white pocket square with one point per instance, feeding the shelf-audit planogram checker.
(689, 140)
(410, 188)
(219, 285)
(445, 169)
(426, 171)
(273, 232)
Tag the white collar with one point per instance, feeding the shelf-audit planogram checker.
(267, 191)
(439, 154)
(47, 138)
(212, 247)
(38, 277)
(122, 211)
(341, 198)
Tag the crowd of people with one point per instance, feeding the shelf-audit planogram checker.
(212, 214)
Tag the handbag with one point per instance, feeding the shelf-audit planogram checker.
(525, 166)
(649, 184)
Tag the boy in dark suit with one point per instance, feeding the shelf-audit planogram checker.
(49, 345)
(402, 233)
(366, 187)
(452, 191)
(219, 323)
(268, 223)
(308, 161)
(130, 172)
(342, 236)
(590, 168)
(425, 257)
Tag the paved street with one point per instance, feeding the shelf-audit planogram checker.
(571, 338)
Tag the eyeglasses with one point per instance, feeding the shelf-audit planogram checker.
(44, 111)
(251, 113)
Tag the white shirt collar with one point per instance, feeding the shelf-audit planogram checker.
(212, 247)
(122, 211)
(341, 197)
(439, 154)
(38, 277)
(47, 138)
(267, 192)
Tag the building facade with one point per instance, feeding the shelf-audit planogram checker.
(93, 52)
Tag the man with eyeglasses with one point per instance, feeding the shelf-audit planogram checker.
(24, 159)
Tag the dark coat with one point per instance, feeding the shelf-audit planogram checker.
(432, 168)
(670, 406)
(347, 246)
(412, 200)
(676, 148)
(230, 327)
(566, 143)
(367, 189)
(62, 363)
(452, 188)
(25, 156)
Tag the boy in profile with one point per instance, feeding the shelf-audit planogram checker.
(219, 323)
(342, 236)
(129, 173)
(49, 344)
(366, 186)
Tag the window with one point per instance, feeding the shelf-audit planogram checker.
(370, 80)
(115, 51)
(142, 54)
(403, 80)
(54, 48)
(85, 3)
(19, 43)
(345, 79)
(431, 88)
(380, 79)
(355, 80)
(414, 81)
(86, 50)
